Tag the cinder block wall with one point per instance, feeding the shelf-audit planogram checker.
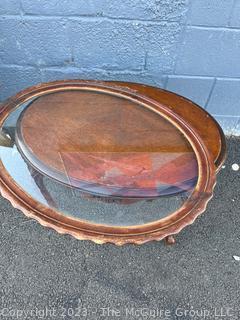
(191, 47)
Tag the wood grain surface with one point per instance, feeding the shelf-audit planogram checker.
(194, 134)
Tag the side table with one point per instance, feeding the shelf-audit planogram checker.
(108, 161)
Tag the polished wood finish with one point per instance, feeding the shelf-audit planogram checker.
(207, 127)
(103, 143)
(158, 230)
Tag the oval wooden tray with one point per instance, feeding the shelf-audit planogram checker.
(159, 102)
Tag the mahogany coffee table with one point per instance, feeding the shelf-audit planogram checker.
(108, 161)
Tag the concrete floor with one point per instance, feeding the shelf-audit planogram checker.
(44, 275)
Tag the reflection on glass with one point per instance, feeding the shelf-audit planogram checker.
(98, 157)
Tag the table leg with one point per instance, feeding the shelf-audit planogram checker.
(38, 178)
(170, 240)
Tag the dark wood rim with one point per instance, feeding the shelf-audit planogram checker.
(158, 230)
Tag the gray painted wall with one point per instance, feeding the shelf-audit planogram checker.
(190, 47)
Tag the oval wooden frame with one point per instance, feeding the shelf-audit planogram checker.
(83, 230)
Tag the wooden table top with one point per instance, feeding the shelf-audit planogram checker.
(117, 141)
(106, 144)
